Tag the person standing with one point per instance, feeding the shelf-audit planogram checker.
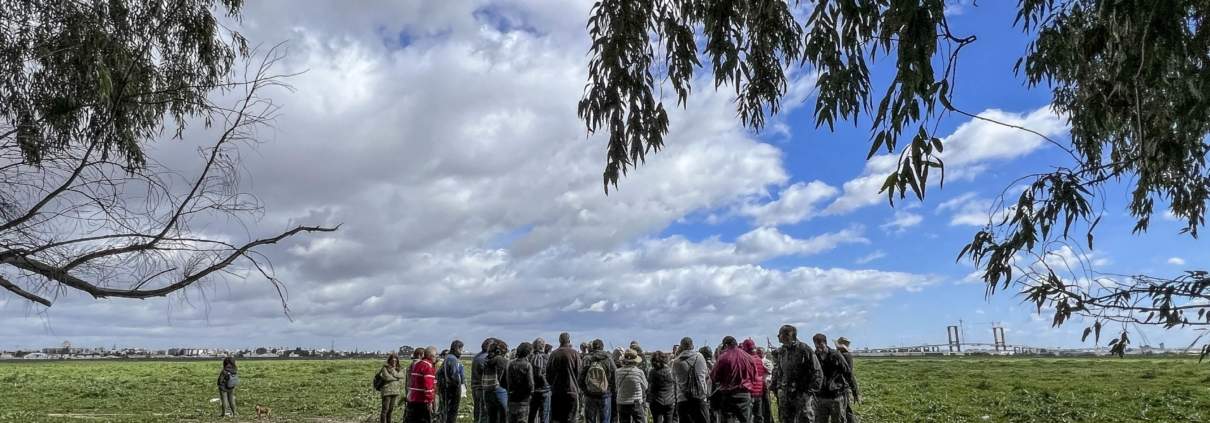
(842, 345)
(689, 370)
(632, 389)
(392, 382)
(453, 373)
(477, 388)
(519, 382)
(228, 379)
(661, 389)
(563, 374)
(837, 378)
(734, 374)
(539, 404)
(758, 383)
(494, 392)
(598, 384)
(422, 389)
(796, 378)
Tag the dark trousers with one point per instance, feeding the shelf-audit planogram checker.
(632, 413)
(227, 402)
(453, 399)
(518, 412)
(418, 412)
(849, 415)
(736, 408)
(691, 411)
(563, 407)
(480, 406)
(795, 407)
(539, 407)
(662, 413)
(758, 407)
(388, 408)
(830, 409)
(597, 409)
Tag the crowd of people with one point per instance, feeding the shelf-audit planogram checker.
(536, 383)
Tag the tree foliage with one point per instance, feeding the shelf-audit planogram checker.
(1131, 77)
(84, 86)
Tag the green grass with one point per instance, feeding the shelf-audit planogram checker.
(894, 390)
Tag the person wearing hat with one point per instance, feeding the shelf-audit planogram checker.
(632, 387)
(842, 345)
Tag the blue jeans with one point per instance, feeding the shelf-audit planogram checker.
(539, 407)
(497, 405)
(598, 409)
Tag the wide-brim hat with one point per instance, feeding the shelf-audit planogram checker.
(632, 357)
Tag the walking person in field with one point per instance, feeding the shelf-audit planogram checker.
(422, 389)
(832, 399)
(228, 379)
(477, 388)
(842, 345)
(519, 381)
(689, 369)
(392, 379)
(661, 388)
(796, 378)
(453, 373)
(632, 389)
(563, 372)
(539, 404)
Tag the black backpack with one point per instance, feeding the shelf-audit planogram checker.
(379, 381)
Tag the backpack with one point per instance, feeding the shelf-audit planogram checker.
(596, 381)
(379, 382)
(694, 389)
(232, 380)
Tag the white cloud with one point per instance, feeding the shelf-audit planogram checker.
(796, 203)
(472, 203)
(1176, 261)
(877, 254)
(902, 221)
(967, 151)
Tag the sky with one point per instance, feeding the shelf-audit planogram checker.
(443, 138)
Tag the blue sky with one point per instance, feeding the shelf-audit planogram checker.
(443, 136)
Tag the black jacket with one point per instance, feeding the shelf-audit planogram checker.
(563, 371)
(519, 380)
(661, 387)
(837, 376)
(797, 369)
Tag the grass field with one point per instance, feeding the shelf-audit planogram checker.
(895, 390)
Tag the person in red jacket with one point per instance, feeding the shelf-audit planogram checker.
(758, 385)
(733, 375)
(422, 389)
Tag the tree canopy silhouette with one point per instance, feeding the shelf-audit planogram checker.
(84, 86)
(1131, 78)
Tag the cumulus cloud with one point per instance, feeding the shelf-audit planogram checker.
(1176, 261)
(444, 137)
(902, 221)
(968, 150)
(796, 203)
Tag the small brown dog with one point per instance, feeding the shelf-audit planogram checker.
(263, 411)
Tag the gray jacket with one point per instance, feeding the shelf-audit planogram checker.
(632, 385)
(689, 370)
